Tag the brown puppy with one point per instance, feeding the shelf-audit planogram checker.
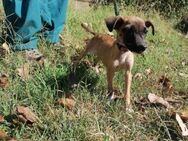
(117, 53)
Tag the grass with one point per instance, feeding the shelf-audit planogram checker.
(94, 118)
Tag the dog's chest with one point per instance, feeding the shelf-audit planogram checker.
(123, 60)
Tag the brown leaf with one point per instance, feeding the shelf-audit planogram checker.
(182, 125)
(67, 102)
(12, 139)
(138, 76)
(164, 81)
(166, 84)
(2, 119)
(148, 71)
(3, 135)
(184, 114)
(184, 117)
(141, 103)
(158, 100)
(183, 75)
(26, 115)
(4, 82)
(6, 47)
(176, 101)
(22, 119)
(23, 71)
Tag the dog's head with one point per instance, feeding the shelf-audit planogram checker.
(131, 31)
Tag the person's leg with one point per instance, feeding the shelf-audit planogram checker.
(23, 21)
(58, 11)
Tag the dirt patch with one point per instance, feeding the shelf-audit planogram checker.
(81, 4)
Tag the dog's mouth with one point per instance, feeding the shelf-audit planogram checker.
(131, 47)
(135, 48)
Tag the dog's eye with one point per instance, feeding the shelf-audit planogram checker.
(127, 28)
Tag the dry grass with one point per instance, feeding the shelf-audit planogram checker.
(93, 117)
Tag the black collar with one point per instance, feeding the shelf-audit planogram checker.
(121, 47)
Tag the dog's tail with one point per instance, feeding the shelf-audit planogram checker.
(86, 27)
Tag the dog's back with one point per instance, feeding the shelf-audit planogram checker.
(104, 47)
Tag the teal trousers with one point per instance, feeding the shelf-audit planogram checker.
(26, 18)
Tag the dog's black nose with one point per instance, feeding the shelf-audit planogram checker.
(142, 48)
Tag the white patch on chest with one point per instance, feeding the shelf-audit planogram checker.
(124, 60)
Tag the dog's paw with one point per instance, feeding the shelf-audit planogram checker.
(113, 97)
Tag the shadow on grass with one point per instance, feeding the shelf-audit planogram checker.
(78, 76)
(182, 25)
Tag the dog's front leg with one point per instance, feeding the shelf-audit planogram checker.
(110, 76)
(128, 80)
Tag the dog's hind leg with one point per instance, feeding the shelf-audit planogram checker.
(89, 48)
(83, 53)
(96, 66)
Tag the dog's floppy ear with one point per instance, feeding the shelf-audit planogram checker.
(148, 24)
(114, 22)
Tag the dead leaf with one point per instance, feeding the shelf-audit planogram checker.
(184, 114)
(141, 100)
(148, 71)
(22, 119)
(13, 139)
(67, 102)
(164, 81)
(6, 47)
(4, 82)
(138, 76)
(183, 75)
(3, 135)
(171, 100)
(182, 125)
(166, 84)
(158, 100)
(26, 115)
(2, 119)
(23, 71)
(183, 63)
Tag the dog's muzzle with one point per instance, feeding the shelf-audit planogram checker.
(136, 48)
(141, 48)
